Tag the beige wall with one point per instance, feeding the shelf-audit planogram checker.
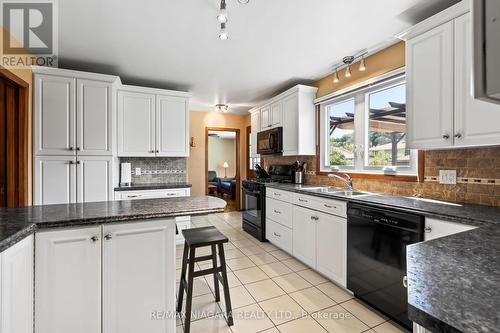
(219, 151)
(199, 121)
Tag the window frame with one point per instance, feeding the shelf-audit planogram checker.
(361, 120)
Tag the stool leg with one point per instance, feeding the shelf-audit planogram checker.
(216, 280)
(189, 296)
(227, 297)
(183, 277)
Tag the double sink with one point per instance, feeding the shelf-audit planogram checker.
(336, 192)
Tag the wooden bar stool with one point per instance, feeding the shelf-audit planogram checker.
(197, 238)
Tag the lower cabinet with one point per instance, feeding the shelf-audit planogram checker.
(16, 288)
(304, 235)
(108, 278)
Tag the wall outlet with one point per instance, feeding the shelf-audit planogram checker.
(137, 171)
(448, 177)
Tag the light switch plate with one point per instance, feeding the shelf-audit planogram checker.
(137, 171)
(448, 177)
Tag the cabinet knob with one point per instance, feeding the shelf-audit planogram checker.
(458, 135)
(446, 136)
(428, 229)
(151, 151)
(77, 148)
(157, 151)
(94, 239)
(108, 237)
(314, 218)
(71, 162)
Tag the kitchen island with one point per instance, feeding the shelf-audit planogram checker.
(103, 266)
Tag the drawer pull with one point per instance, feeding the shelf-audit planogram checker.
(302, 200)
(277, 211)
(328, 206)
(277, 235)
(132, 196)
(314, 218)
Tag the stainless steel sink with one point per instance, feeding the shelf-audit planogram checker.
(336, 191)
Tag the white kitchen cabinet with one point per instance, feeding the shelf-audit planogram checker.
(172, 126)
(152, 194)
(435, 228)
(255, 128)
(16, 287)
(55, 180)
(265, 118)
(94, 178)
(68, 281)
(279, 235)
(138, 276)
(429, 96)
(136, 124)
(54, 108)
(94, 117)
(304, 235)
(331, 247)
(476, 122)
(275, 114)
(291, 125)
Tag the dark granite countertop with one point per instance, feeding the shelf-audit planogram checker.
(153, 186)
(17, 223)
(453, 281)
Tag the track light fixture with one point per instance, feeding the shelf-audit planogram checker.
(223, 35)
(222, 108)
(362, 66)
(336, 77)
(222, 18)
(347, 62)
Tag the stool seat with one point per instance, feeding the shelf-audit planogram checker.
(204, 236)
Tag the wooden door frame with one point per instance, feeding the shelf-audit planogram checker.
(250, 173)
(17, 167)
(238, 171)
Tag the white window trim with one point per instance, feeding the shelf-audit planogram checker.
(360, 93)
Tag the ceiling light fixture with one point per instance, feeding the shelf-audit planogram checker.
(222, 108)
(348, 71)
(362, 66)
(222, 16)
(223, 35)
(347, 62)
(336, 77)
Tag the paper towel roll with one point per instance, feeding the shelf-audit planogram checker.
(126, 174)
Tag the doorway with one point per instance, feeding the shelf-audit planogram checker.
(222, 165)
(13, 140)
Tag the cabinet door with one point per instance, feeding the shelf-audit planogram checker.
(94, 117)
(276, 114)
(304, 235)
(68, 281)
(144, 253)
(94, 178)
(55, 180)
(54, 105)
(429, 75)
(17, 287)
(331, 235)
(437, 228)
(265, 118)
(290, 125)
(172, 126)
(255, 123)
(136, 124)
(476, 122)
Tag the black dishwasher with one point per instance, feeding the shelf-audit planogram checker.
(376, 257)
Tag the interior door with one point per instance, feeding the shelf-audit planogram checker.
(136, 124)
(54, 103)
(144, 253)
(304, 235)
(94, 117)
(429, 73)
(172, 126)
(476, 121)
(94, 178)
(68, 281)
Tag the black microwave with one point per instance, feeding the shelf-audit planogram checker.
(270, 142)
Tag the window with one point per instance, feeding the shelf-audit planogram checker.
(364, 130)
(252, 160)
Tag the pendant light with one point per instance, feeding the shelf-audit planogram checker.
(362, 66)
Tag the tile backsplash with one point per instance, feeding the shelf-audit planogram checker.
(158, 169)
(478, 176)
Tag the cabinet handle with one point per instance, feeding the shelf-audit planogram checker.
(157, 151)
(277, 235)
(77, 162)
(428, 229)
(94, 239)
(71, 162)
(302, 200)
(151, 151)
(314, 218)
(328, 206)
(277, 211)
(108, 237)
(277, 194)
(405, 281)
(132, 196)
(446, 136)
(458, 135)
(70, 148)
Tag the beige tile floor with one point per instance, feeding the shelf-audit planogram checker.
(271, 292)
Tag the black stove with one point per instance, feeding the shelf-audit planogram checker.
(254, 198)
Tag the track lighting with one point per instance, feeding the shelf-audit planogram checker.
(336, 77)
(362, 66)
(223, 35)
(347, 63)
(348, 71)
(222, 16)
(222, 108)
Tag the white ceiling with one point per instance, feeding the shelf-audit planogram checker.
(223, 134)
(273, 44)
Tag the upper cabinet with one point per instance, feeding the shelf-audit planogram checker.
(152, 122)
(441, 111)
(73, 112)
(294, 111)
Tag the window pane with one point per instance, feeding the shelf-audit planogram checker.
(387, 129)
(341, 133)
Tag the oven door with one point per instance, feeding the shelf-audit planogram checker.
(252, 207)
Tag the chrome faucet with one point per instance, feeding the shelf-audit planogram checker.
(346, 179)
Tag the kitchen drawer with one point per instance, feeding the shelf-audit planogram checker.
(279, 195)
(152, 194)
(328, 206)
(279, 211)
(437, 228)
(279, 235)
